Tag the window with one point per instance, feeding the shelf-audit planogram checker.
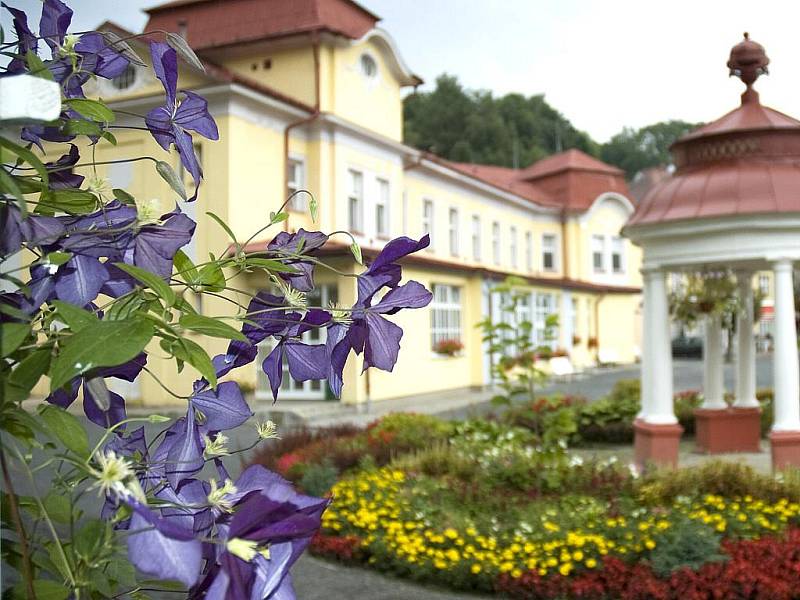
(453, 220)
(476, 237)
(513, 247)
(573, 315)
(763, 284)
(125, 79)
(382, 209)
(294, 182)
(617, 255)
(549, 252)
(528, 251)
(369, 68)
(599, 253)
(427, 219)
(355, 201)
(545, 306)
(496, 242)
(445, 314)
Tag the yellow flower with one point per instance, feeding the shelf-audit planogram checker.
(565, 568)
(451, 533)
(649, 544)
(591, 563)
(475, 569)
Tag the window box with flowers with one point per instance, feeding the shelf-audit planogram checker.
(448, 347)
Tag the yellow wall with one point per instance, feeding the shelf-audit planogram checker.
(290, 71)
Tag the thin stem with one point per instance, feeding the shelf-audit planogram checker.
(27, 570)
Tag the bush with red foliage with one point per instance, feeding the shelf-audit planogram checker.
(345, 548)
(768, 568)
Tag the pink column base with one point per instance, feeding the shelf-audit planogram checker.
(728, 430)
(785, 449)
(655, 444)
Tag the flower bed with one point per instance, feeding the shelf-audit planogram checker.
(480, 505)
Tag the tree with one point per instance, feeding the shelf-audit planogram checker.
(474, 126)
(636, 149)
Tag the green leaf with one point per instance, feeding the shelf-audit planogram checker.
(212, 327)
(58, 507)
(277, 217)
(90, 539)
(102, 344)
(26, 155)
(212, 278)
(12, 335)
(194, 354)
(91, 109)
(125, 307)
(73, 316)
(67, 428)
(227, 229)
(36, 67)
(82, 127)
(70, 201)
(184, 268)
(43, 588)
(9, 186)
(26, 374)
(355, 249)
(123, 196)
(168, 174)
(313, 207)
(151, 280)
(55, 258)
(181, 47)
(108, 136)
(273, 266)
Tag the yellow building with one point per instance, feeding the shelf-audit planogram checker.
(308, 95)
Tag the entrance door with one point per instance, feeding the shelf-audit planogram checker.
(322, 296)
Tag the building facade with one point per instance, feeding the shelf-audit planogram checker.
(308, 95)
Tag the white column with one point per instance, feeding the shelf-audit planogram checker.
(746, 358)
(713, 383)
(647, 357)
(787, 370)
(660, 410)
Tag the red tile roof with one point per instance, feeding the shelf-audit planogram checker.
(570, 180)
(215, 23)
(747, 162)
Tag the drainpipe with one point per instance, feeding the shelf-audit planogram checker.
(315, 45)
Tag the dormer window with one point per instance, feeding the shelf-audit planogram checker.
(125, 79)
(369, 68)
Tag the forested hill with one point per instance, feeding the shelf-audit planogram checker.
(515, 131)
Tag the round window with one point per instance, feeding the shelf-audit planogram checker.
(125, 79)
(368, 66)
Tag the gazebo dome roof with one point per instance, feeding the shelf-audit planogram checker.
(746, 162)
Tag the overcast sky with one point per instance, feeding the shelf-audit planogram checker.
(603, 64)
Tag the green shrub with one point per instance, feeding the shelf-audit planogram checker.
(551, 418)
(685, 403)
(319, 478)
(405, 432)
(686, 543)
(722, 478)
(610, 419)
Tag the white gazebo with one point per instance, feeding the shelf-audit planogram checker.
(733, 203)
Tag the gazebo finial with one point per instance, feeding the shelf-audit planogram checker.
(747, 61)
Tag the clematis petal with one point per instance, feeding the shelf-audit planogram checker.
(409, 295)
(80, 280)
(273, 368)
(56, 17)
(165, 67)
(193, 114)
(306, 361)
(223, 408)
(382, 344)
(97, 415)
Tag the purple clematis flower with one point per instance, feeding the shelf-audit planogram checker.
(301, 242)
(270, 528)
(101, 409)
(35, 230)
(63, 177)
(169, 124)
(26, 40)
(56, 17)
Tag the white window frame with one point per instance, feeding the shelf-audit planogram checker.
(452, 224)
(355, 216)
(763, 284)
(428, 219)
(512, 247)
(296, 180)
(529, 251)
(382, 201)
(544, 306)
(446, 314)
(476, 238)
(546, 238)
(617, 248)
(496, 243)
(599, 249)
